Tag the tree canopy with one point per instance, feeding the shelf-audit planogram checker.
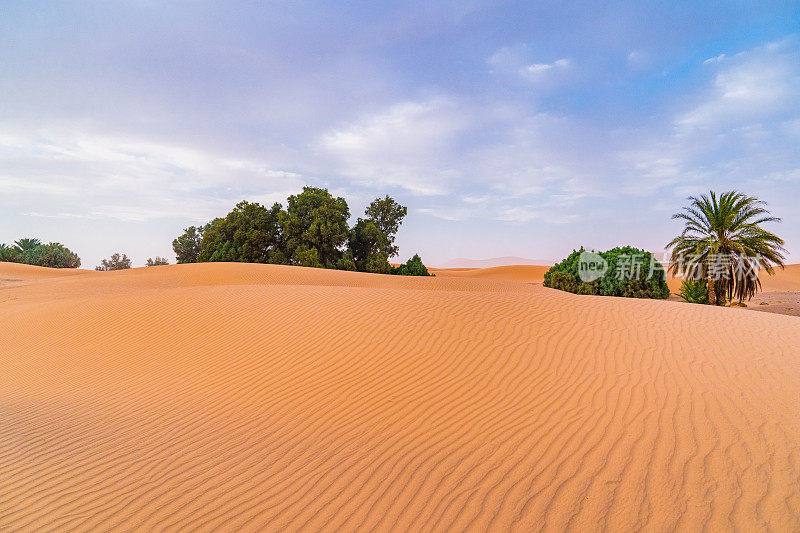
(367, 245)
(248, 234)
(315, 228)
(187, 245)
(387, 215)
(33, 252)
(312, 231)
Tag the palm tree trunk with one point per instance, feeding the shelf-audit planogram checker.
(712, 293)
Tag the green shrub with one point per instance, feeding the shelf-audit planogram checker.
(9, 254)
(412, 267)
(115, 262)
(158, 261)
(631, 273)
(52, 255)
(33, 252)
(694, 291)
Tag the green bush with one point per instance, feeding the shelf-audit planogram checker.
(158, 261)
(412, 267)
(115, 262)
(640, 278)
(33, 252)
(9, 254)
(694, 291)
(52, 255)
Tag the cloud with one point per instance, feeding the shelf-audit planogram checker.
(715, 59)
(515, 61)
(638, 59)
(410, 145)
(80, 175)
(736, 132)
(753, 86)
(538, 69)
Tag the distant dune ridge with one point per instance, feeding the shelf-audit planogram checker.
(224, 396)
(462, 262)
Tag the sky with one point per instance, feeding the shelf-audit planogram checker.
(507, 128)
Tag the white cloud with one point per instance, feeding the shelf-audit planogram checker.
(638, 59)
(753, 86)
(739, 130)
(409, 145)
(538, 69)
(515, 61)
(715, 59)
(79, 175)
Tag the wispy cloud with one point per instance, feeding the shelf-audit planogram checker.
(715, 59)
(518, 61)
(752, 86)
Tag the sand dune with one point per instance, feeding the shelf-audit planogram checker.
(783, 280)
(463, 262)
(520, 273)
(14, 274)
(259, 397)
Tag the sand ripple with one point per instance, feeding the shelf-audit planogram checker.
(254, 397)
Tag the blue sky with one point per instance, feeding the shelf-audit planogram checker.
(507, 128)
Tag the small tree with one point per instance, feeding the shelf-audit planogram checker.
(387, 215)
(187, 246)
(115, 262)
(157, 261)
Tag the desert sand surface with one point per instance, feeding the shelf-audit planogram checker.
(783, 280)
(519, 273)
(14, 274)
(780, 292)
(272, 398)
(463, 262)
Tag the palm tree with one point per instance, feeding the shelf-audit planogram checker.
(725, 243)
(23, 245)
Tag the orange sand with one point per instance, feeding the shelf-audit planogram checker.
(259, 397)
(787, 279)
(521, 273)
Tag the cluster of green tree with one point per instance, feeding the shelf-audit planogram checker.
(34, 252)
(115, 262)
(628, 272)
(312, 231)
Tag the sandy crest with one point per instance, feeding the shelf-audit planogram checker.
(258, 397)
(519, 273)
